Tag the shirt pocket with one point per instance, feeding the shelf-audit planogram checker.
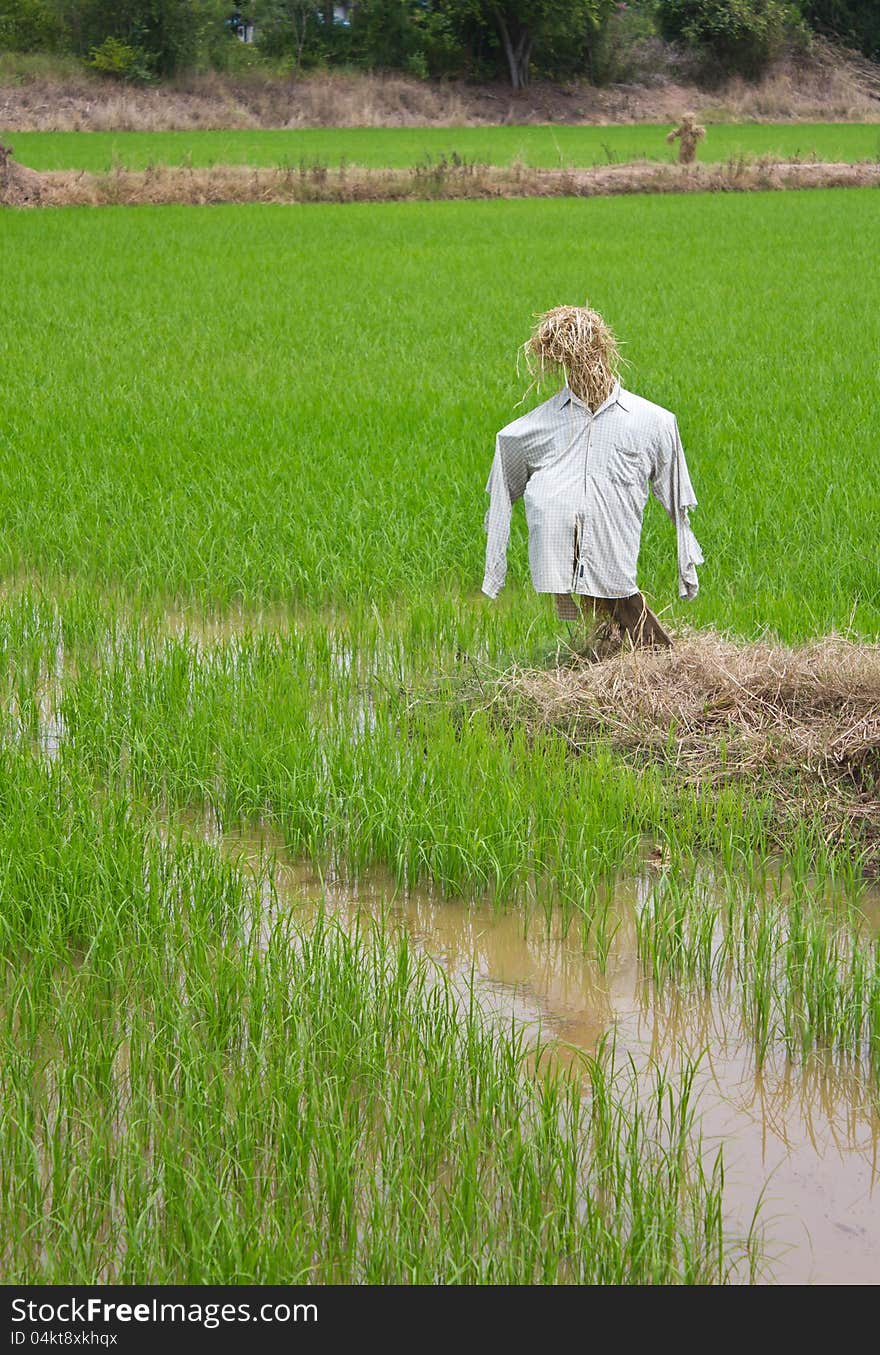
(625, 464)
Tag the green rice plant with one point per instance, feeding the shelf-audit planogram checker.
(194, 1096)
(241, 545)
(805, 969)
(219, 488)
(676, 934)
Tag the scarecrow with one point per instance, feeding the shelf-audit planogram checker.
(583, 463)
(689, 133)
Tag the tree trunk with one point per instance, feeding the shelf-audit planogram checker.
(518, 53)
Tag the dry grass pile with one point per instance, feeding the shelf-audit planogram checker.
(452, 179)
(802, 722)
(213, 102)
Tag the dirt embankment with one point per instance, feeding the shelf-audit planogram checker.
(451, 180)
(826, 86)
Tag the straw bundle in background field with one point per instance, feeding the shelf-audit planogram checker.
(19, 186)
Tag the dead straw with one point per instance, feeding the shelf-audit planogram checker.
(577, 342)
(802, 723)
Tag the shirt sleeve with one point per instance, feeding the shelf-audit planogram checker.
(507, 483)
(672, 486)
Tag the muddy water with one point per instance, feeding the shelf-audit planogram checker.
(805, 1136)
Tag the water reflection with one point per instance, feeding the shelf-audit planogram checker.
(805, 1132)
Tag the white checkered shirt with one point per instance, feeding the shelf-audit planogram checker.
(584, 480)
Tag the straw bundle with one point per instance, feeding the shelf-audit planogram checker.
(800, 723)
(576, 341)
(817, 704)
(19, 187)
(691, 133)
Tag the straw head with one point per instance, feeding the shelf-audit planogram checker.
(575, 341)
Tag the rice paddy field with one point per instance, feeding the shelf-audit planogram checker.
(399, 147)
(319, 962)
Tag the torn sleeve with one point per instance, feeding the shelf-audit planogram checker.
(672, 486)
(507, 483)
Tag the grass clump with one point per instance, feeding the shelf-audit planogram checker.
(803, 970)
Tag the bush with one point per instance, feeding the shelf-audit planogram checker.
(738, 36)
(625, 46)
(118, 59)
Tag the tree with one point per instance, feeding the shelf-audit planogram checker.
(288, 27)
(28, 26)
(531, 29)
(387, 32)
(166, 33)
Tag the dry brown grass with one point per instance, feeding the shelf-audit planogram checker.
(829, 86)
(803, 723)
(454, 180)
(19, 186)
(576, 341)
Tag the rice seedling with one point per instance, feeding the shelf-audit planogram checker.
(147, 403)
(805, 972)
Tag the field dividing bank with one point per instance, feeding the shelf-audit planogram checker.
(550, 147)
(457, 181)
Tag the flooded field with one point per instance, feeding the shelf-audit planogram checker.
(354, 928)
(800, 1138)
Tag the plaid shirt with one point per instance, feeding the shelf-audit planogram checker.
(584, 480)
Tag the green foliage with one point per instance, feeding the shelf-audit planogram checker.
(736, 35)
(855, 22)
(289, 29)
(625, 46)
(438, 37)
(514, 40)
(117, 59)
(548, 36)
(167, 32)
(29, 26)
(385, 33)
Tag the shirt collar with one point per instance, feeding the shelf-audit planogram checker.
(618, 396)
